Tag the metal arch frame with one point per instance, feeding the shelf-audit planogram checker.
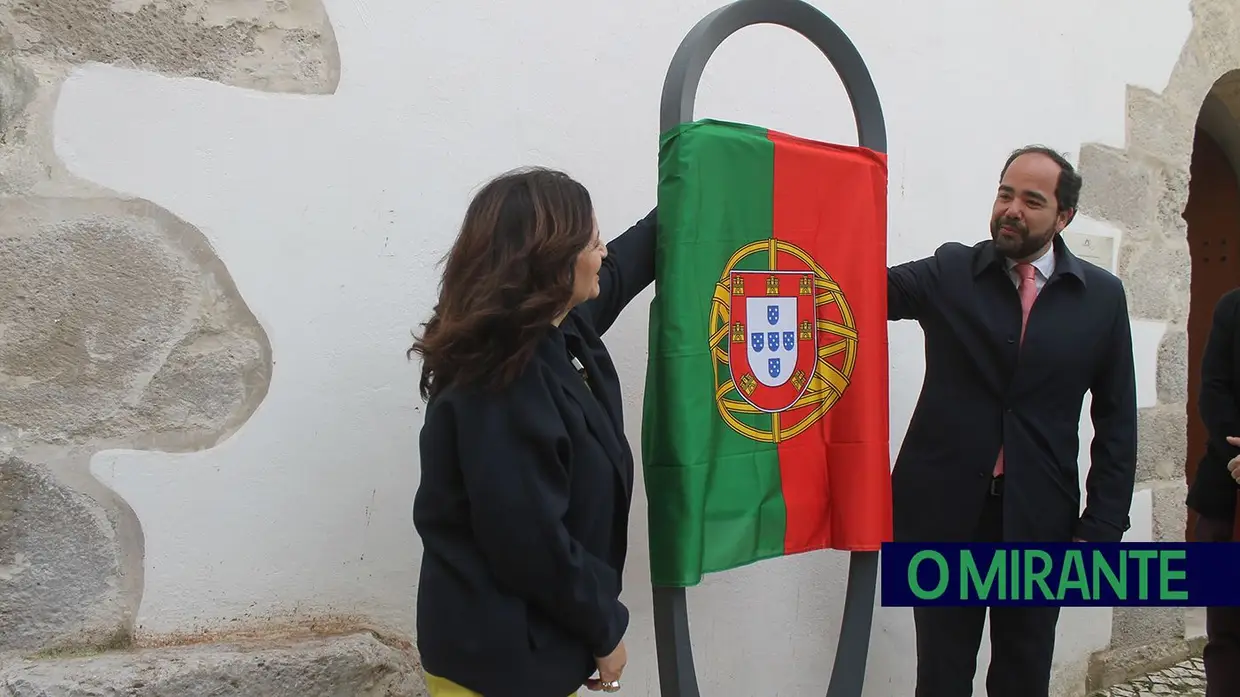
(677, 677)
(685, 72)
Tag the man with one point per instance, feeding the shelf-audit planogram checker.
(1214, 490)
(991, 450)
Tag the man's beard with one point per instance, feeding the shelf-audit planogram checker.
(1023, 247)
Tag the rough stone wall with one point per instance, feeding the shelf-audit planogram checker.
(1142, 189)
(119, 326)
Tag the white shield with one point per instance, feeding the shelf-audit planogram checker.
(772, 341)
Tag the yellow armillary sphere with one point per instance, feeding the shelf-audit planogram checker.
(782, 339)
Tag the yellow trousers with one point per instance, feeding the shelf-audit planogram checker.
(440, 687)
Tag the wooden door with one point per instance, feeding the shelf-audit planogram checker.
(1213, 217)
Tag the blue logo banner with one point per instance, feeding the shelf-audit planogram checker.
(1068, 575)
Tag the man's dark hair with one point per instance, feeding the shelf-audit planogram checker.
(1067, 189)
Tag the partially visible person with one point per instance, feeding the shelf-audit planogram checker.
(1214, 489)
(1017, 330)
(527, 477)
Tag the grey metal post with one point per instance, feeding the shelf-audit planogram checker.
(677, 677)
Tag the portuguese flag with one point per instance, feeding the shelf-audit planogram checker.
(765, 426)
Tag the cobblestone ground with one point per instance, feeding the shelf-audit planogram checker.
(1187, 678)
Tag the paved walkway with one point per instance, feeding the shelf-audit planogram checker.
(1187, 678)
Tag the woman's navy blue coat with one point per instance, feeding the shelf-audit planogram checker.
(523, 507)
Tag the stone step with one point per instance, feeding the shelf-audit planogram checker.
(353, 665)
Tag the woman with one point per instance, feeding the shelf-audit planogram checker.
(527, 477)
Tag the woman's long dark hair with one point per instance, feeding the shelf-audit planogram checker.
(507, 277)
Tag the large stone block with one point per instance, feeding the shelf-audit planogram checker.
(356, 665)
(286, 46)
(1170, 511)
(1122, 188)
(1171, 376)
(1210, 52)
(26, 105)
(1159, 129)
(1161, 443)
(1135, 627)
(58, 564)
(1171, 202)
(1191, 78)
(1216, 24)
(1156, 275)
(17, 89)
(118, 325)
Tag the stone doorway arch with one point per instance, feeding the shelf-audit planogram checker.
(1213, 217)
(1142, 190)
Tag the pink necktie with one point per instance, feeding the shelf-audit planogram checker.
(1028, 290)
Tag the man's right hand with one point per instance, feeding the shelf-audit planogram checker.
(609, 669)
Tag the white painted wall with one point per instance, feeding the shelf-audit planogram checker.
(331, 212)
